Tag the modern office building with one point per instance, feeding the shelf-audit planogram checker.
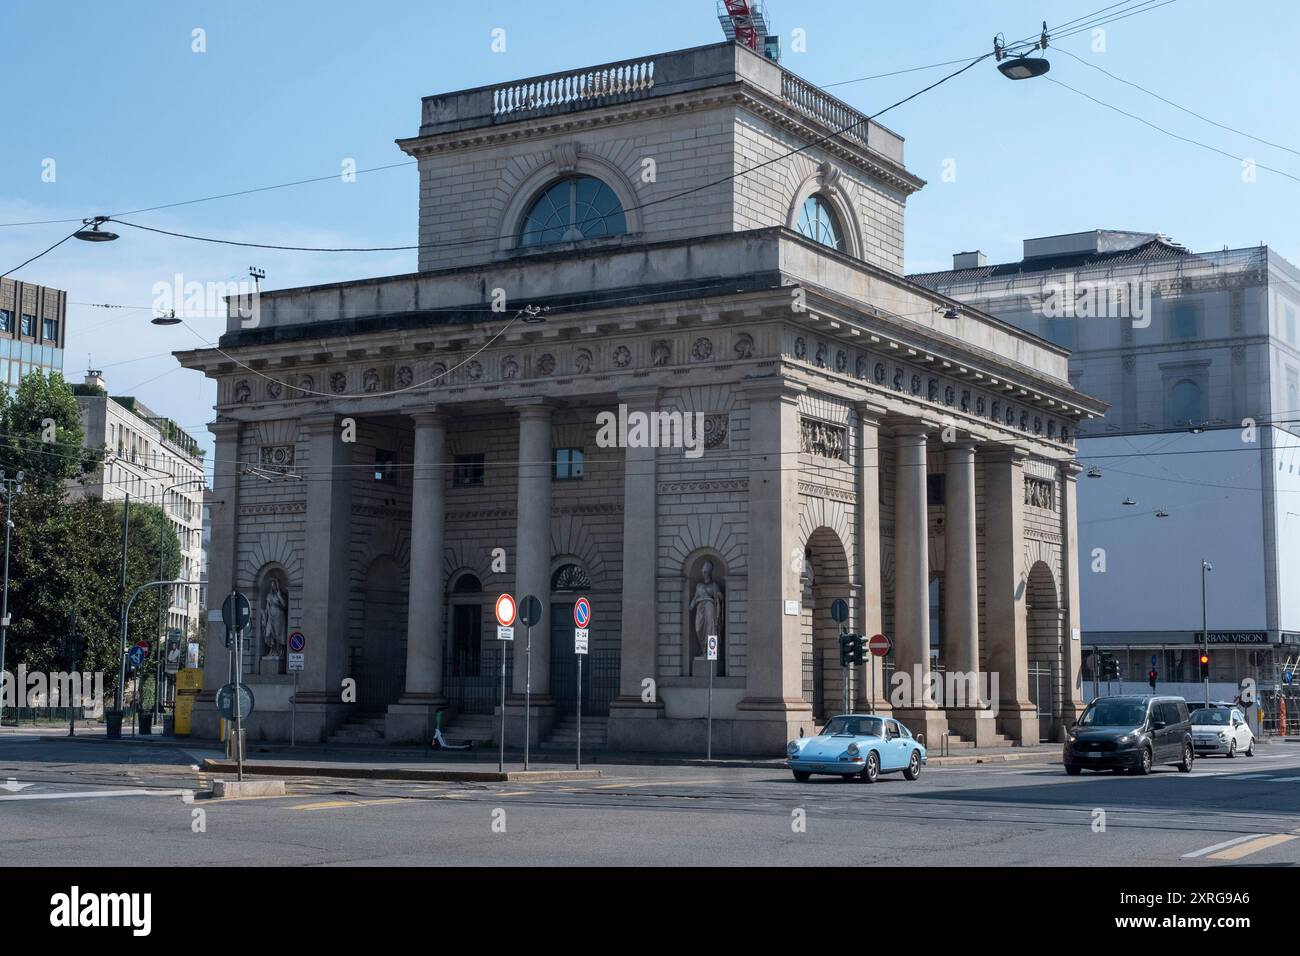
(1198, 459)
(150, 458)
(33, 329)
(707, 401)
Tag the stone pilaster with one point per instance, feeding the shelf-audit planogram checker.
(1072, 697)
(412, 717)
(326, 586)
(773, 708)
(222, 553)
(628, 713)
(1005, 585)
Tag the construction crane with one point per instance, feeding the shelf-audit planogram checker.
(745, 22)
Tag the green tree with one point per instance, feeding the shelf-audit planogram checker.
(41, 433)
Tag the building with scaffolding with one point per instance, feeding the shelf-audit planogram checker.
(1198, 458)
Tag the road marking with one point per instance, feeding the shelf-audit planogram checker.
(82, 794)
(1246, 849)
(1254, 776)
(1220, 846)
(1286, 779)
(341, 804)
(515, 793)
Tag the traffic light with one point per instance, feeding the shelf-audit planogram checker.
(1205, 666)
(1109, 667)
(1151, 678)
(860, 648)
(846, 650)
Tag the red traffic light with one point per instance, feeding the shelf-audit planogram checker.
(1205, 658)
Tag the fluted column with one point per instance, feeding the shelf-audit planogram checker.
(412, 717)
(961, 639)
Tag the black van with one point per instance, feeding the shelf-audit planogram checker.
(1133, 733)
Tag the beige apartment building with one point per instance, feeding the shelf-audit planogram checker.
(392, 454)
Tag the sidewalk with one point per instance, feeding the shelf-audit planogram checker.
(409, 762)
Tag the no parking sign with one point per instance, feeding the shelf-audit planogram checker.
(581, 618)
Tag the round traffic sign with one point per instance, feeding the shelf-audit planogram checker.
(226, 701)
(530, 610)
(880, 645)
(839, 610)
(581, 612)
(505, 610)
(236, 612)
(297, 642)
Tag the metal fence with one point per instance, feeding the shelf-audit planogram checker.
(599, 680)
(1042, 692)
(472, 681)
(809, 678)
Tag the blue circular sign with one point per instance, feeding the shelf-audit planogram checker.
(297, 642)
(581, 612)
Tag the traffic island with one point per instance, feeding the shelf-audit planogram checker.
(230, 789)
(377, 772)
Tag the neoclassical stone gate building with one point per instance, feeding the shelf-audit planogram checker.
(393, 453)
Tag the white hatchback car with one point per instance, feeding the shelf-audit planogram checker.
(1222, 730)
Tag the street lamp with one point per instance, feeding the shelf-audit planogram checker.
(94, 233)
(168, 319)
(8, 487)
(1206, 567)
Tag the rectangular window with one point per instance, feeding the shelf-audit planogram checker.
(1290, 325)
(467, 471)
(934, 489)
(6, 320)
(50, 329)
(1184, 321)
(384, 470)
(29, 324)
(569, 464)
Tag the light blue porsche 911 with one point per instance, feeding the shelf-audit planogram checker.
(857, 745)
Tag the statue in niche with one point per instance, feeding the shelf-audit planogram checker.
(274, 619)
(706, 610)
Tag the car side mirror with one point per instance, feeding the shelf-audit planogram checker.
(1158, 725)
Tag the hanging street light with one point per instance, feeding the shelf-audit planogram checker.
(94, 233)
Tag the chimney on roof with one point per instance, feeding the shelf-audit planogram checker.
(969, 260)
(95, 377)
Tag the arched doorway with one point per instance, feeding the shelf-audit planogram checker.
(379, 662)
(1045, 622)
(825, 577)
(471, 672)
(570, 581)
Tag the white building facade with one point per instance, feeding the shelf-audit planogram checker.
(392, 454)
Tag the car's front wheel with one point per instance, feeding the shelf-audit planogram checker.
(1144, 763)
(913, 768)
(872, 770)
(1232, 749)
(802, 775)
(1189, 757)
(1250, 750)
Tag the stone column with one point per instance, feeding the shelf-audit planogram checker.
(871, 676)
(412, 717)
(630, 718)
(1005, 584)
(223, 551)
(1072, 698)
(961, 650)
(326, 584)
(533, 562)
(773, 709)
(912, 584)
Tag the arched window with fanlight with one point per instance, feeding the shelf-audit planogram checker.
(1184, 403)
(572, 209)
(817, 221)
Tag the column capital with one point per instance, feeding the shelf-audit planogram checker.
(426, 415)
(962, 448)
(1070, 469)
(531, 406)
(319, 421)
(869, 413)
(1005, 454)
(640, 395)
(775, 387)
(225, 428)
(902, 425)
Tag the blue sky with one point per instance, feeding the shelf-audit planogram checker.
(286, 90)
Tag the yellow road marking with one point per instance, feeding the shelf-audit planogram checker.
(1253, 846)
(341, 804)
(515, 793)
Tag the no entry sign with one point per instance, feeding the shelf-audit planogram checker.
(505, 610)
(880, 645)
(581, 612)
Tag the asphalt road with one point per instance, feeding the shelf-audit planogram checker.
(72, 804)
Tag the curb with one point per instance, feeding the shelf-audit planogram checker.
(399, 773)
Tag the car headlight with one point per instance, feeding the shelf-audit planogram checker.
(792, 748)
(853, 750)
(1223, 735)
(1074, 738)
(1126, 739)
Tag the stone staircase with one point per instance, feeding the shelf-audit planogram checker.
(366, 729)
(958, 742)
(476, 727)
(564, 735)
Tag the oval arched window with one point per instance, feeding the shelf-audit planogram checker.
(819, 223)
(579, 207)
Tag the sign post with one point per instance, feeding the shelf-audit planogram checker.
(530, 612)
(840, 614)
(711, 651)
(235, 614)
(297, 661)
(880, 646)
(505, 612)
(581, 618)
